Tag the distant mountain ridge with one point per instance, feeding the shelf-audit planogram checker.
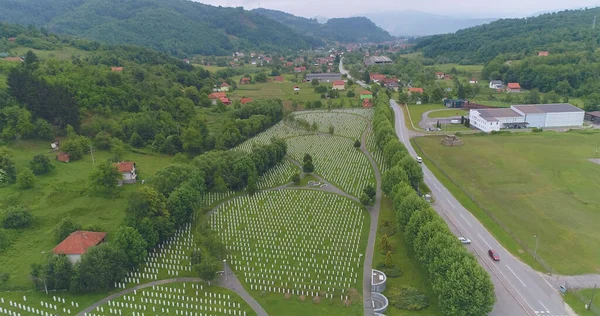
(345, 30)
(417, 23)
(177, 26)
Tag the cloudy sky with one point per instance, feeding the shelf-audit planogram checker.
(341, 8)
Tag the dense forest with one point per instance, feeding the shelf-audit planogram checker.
(345, 30)
(179, 27)
(559, 32)
(154, 101)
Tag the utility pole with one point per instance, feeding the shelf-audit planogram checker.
(589, 305)
(536, 245)
(92, 152)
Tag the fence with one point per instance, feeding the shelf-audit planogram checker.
(523, 245)
(585, 300)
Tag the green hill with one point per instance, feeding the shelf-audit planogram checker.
(345, 30)
(557, 32)
(177, 26)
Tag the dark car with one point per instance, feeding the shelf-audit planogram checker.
(494, 255)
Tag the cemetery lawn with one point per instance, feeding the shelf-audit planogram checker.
(59, 194)
(295, 239)
(535, 184)
(414, 274)
(34, 299)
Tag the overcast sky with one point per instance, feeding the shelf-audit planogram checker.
(343, 8)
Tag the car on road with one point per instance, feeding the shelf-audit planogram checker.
(419, 159)
(464, 240)
(494, 255)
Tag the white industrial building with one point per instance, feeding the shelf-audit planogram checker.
(527, 115)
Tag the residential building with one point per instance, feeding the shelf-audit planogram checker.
(78, 243)
(367, 103)
(245, 100)
(377, 77)
(324, 77)
(245, 80)
(496, 84)
(473, 81)
(299, 69)
(439, 75)
(279, 79)
(225, 100)
(116, 69)
(127, 169)
(296, 88)
(63, 157)
(224, 87)
(543, 54)
(447, 77)
(415, 90)
(366, 95)
(527, 115)
(216, 96)
(14, 59)
(339, 85)
(513, 87)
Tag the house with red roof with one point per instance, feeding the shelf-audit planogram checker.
(513, 87)
(296, 88)
(245, 100)
(299, 69)
(245, 80)
(415, 90)
(224, 87)
(366, 103)
(14, 59)
(473, 81)
(225, 101)
(12, 39)
(377, 77)
(116, 69)
(447, 77)
(279, 79)
(63, 157)
(439, 75)
(127, 169)
(289, 64)
(78, 243)
(543, 54)
(339, 85)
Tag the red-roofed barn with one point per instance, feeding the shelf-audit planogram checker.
(339, 85)
(127, 169)
(78, 243)
(245, 100)
(513, 87)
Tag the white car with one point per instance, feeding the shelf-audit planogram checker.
(464, 240)
(419, 159)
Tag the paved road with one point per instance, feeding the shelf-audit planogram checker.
(426, 122)
(519, 289)
(345, 72)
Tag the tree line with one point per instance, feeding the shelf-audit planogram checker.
(153, 214)
(462, 286)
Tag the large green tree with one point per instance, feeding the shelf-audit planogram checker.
(132, 244)
(99, 268)
(105, 176)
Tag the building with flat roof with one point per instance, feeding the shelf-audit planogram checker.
(324, 77)
(374, 60)
(527, 115)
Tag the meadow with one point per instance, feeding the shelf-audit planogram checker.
(533, 184)
(64, 192)
(64, 53)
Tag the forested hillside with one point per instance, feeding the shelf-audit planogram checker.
(559, 32)
(345, 30)
(179, 27)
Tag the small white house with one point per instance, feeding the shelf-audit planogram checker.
(127, 169)
(473, 81)
(78, 243)
(496, 84)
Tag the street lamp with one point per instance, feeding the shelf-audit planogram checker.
(536, 245)
(225, 269)
(44, 281)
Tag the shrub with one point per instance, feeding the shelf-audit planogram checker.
(40, 164)
(25, 179)
(407, 298)
(64, 229)
(537, 130)
(17, 217)
(387, 228)
(296, 178)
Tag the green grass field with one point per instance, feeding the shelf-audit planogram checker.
(449, 113)
(62, 193)
(534, 184)
(578, 306)
(64, 53)
(417, 110)
(413, 274)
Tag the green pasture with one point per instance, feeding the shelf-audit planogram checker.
(417, 110)
(64, 53)
(534, 185)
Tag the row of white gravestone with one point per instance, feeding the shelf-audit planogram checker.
(35, 310)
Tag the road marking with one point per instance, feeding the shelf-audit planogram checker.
(516, 276)
(547, 310)
(450, 202)
(490, 247)
(465, 220)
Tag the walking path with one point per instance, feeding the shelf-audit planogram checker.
(231, 282)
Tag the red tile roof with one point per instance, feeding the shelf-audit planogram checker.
(245, 100)
(543, 54)
(225, 100)
(224, 84)
(63, 157)
(417, 90)
(339, 83)
(116, 68)
(125, 166)
(279, 78)
(365, 92)
(13, 59)
(439, 73)
(367, 103)
(377, 77)
(245, 79)
(12, 39)
(79, 242)
(514, 85)
(217, 95)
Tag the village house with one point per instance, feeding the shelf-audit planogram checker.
(127, 169)
(392, 85)
(513, 87)
(185, 60)
(63, 157)
(339, 85)
(216, 96)
(225, 100)
(296, 88)
(245, 100)
(289, 64)
(78, 243)
(14, 59)
(116, 69)
(439, 75)
(496, 84)
(224, 87)
(447, 77)
(299, 69)
(12, 39)
(544, 53)
(279, 79)
(245, 80)
(415, 90)
(375, 77)
(473, 81)
(366, 103)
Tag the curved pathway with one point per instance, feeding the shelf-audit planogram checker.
(230, 282)
(426, 122)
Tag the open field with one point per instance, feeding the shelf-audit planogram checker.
(449, 113)
(62, 193)
(533, 184)
(304, 242)
(578, 306)
(417, 110)
(413, 274)
(65, 53)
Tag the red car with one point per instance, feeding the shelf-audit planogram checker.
(494, 255)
